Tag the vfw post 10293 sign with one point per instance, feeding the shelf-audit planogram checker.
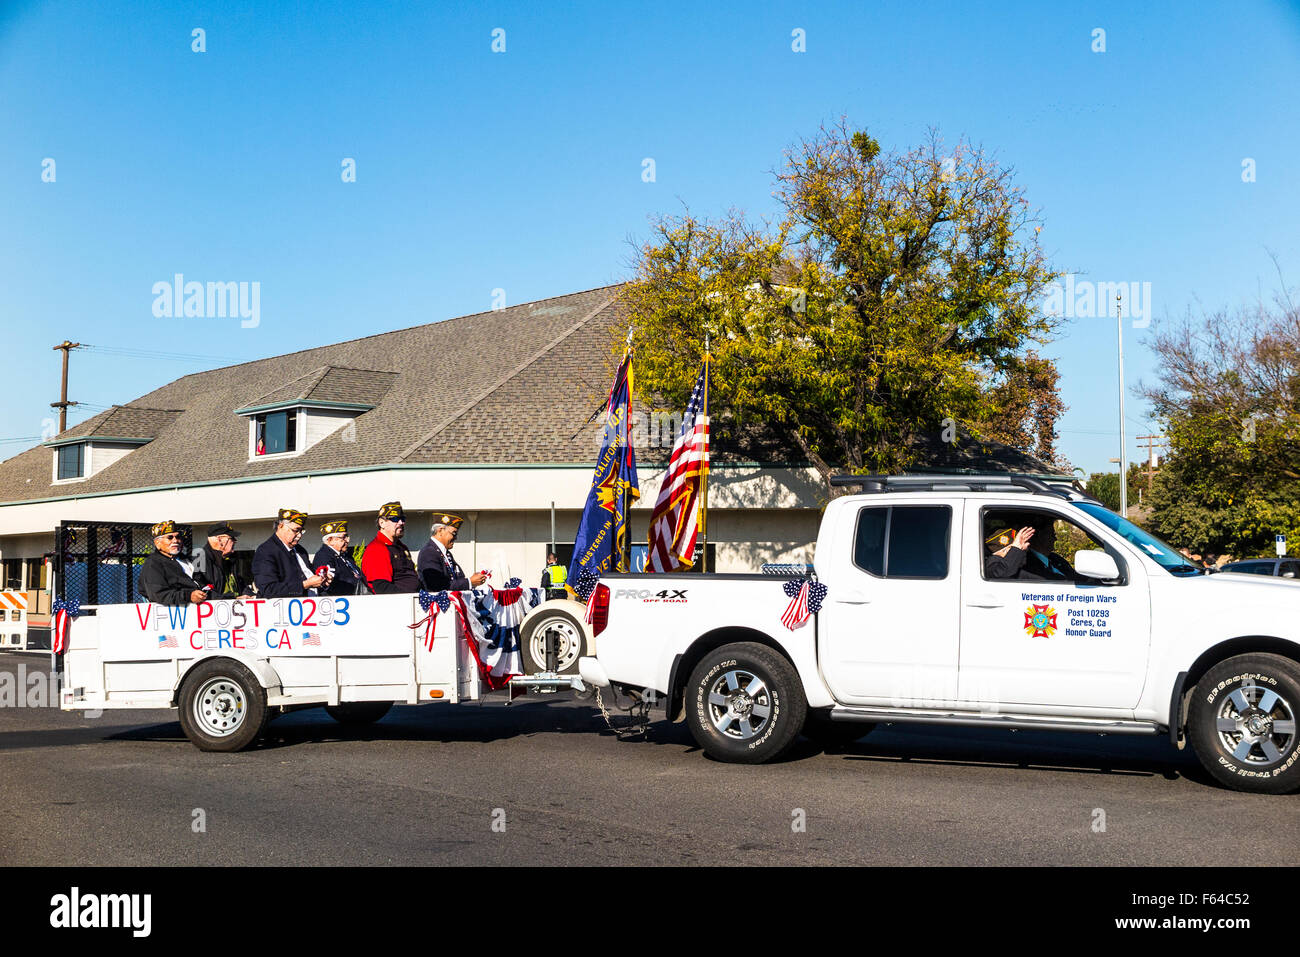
(266, 627)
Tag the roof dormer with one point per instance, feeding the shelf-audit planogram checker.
(289, 420)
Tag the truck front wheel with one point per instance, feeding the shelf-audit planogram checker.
(222, 706)
(745, 703)
(1242, 723)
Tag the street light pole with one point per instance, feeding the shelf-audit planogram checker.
(1123, 471)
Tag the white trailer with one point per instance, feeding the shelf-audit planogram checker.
(228, 666)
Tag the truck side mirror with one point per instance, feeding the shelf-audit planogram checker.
(1094, 563)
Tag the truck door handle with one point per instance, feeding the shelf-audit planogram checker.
(853, 597)
(985, 601)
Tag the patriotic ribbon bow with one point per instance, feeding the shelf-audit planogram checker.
(429, 598)
(585, 585)
(585, 588)
(806, 598)
(64, 611)
(514, 583)
(427, 601)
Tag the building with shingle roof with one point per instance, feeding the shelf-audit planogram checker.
(487, 415)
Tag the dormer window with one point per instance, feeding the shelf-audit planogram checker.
(77, 459)
(71, 461)
(275, 433)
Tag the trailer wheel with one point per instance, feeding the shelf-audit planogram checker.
(357, 713)
(745, 703)
(552, 626)
(222, 706)
(1242, 723)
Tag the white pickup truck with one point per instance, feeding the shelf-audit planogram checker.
(1103, 629)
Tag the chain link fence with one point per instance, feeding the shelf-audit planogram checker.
(98, 563)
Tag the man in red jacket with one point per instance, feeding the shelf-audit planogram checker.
(386, 563)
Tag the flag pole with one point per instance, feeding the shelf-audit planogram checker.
(625, 553)
(704, 473)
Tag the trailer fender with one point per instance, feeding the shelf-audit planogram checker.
(260, 667)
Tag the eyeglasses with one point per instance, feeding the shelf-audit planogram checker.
(174, 535)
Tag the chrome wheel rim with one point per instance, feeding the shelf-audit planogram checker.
(740, 704)
(220, 707)
(568, 643)
(1256, 725)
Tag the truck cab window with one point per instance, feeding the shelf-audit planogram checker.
(903, 541)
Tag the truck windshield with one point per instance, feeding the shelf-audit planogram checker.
(1160, 553)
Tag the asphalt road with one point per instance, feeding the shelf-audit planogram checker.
(538, 783)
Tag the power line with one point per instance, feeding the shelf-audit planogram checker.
(123, 353)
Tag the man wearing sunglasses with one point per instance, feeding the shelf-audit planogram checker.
(386, 563)
(281, 566)
(164, 578)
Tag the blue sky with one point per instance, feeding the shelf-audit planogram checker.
(521, 170)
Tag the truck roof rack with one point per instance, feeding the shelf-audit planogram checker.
(1066, 488)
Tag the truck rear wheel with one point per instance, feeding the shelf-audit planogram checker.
(556, 627)
(358, 713)
(222, 706)
(1242, 723)
(745, 703)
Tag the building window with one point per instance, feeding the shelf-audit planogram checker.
(72, 461)
(36, 574)
(13, 574)
(277, 432)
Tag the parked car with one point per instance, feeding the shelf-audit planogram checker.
(1276, 567)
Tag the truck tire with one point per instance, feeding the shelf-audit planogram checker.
(222, 706)
(829, 734)
(358, 713)
(558, 625)
(1242, 723)
(745, 703)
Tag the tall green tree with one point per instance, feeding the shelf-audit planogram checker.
(1228, 391)
(895, 295)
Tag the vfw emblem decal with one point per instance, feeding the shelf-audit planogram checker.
(1040, 621)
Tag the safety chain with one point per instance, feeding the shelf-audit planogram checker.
(638, 718)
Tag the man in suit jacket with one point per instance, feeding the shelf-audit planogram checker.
(165, 578)
(347, 578)
(438, 570)
(280, 566)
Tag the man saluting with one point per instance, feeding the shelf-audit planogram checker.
(386, 564)
(438, 570)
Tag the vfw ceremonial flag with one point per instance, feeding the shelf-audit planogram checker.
(675, 521)
(602, 532)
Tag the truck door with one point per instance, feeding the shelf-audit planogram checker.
(1049, 637)
(888, 629)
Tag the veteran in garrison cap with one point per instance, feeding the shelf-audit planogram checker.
(346, 578)
(165, 577)
(386, 564)
(280, 564)
(438, 569)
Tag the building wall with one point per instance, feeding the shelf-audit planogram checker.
(755, 515)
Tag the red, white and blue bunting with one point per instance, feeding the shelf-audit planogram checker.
(806, 598)
(64, 612)
(488, 619)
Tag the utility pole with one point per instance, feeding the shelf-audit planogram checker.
(1151, 456)
(1123, 470)
(62, 405)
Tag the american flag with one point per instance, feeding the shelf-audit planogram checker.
(167, 641)
(675, 521)
(311, 638)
